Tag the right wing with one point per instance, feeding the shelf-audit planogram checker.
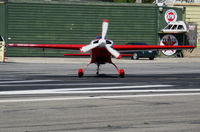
(149, 47)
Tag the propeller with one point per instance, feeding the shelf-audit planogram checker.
(104, 28)
(89, 47)
(102, 42)
(113, 52)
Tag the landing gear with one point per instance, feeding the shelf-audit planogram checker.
(80, 72)
(97, 73)
(121, 73)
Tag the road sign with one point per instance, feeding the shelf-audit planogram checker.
(169, 40)
(170, 16)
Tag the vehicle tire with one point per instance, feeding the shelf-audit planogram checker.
(180, 54)
(151, 58)
(135, 56)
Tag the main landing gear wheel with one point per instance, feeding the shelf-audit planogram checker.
(80, 72)
(121, 73)
(97, 73)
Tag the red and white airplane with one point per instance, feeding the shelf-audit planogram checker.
(101, 49)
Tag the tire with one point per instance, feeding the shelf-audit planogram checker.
(121, 73)
(80, 73)
(135, 56)
(151, 58)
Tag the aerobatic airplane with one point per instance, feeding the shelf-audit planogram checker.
(101, 49)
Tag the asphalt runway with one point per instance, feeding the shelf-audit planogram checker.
(47, 96)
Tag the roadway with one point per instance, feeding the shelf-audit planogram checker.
(45, 95)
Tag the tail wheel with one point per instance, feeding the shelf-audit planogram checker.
(121, 73)
(97, 73)
(80, 72)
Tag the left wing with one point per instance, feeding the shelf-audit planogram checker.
(55, 46)
(149, 47)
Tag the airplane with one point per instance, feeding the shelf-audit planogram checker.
(101, 50)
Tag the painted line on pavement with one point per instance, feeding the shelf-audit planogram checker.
(103, 91)
(26, 81)
(63, 84)
(83, 90)
(99, 97)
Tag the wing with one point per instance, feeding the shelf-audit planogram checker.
(55, 46)
(117, 47)
(149, 47)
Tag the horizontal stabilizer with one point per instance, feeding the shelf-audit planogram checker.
(126, 55)
(77, 54)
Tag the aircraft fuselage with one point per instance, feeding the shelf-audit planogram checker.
(100, 55)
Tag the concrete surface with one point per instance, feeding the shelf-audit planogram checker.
(45, 95)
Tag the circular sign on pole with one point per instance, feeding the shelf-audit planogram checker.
(169, 40)
(170, 16)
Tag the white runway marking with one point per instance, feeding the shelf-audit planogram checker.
(117, 87)
(99, 97)
(63, 84)
(144, 90)
(26, 81)
(83, 90)
(88, 92)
